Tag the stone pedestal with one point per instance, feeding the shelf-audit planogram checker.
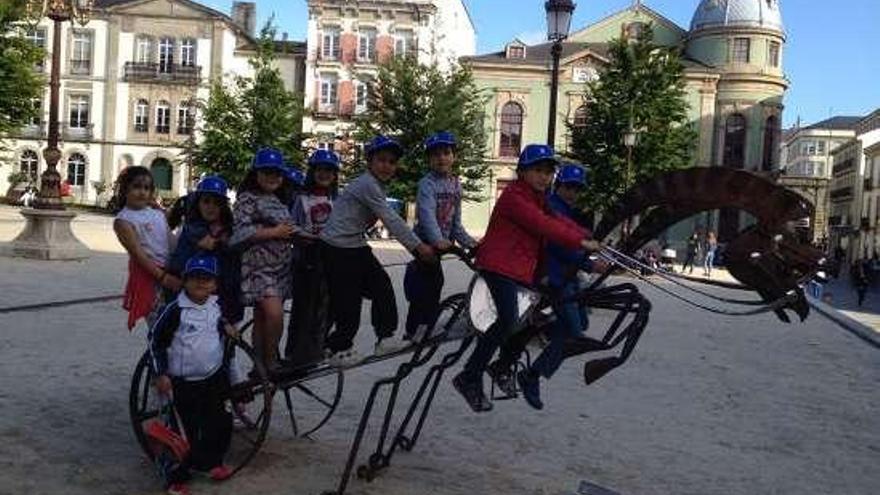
(47, 236)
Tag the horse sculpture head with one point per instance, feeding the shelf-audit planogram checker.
(766, 257)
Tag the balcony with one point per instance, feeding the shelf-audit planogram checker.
(33, 131)
(76, 131)
(141, 127)
(163, 129)
(162, 73)
(186, 130)
(325, 110)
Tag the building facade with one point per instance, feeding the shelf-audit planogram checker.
(130, 81)
(348, 40)
(732, 52)
(806, 167)
(854, 198)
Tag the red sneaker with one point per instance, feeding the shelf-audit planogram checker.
(177, 489)
(220, 473)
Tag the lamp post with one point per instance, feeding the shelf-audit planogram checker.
(559, 14)
(630, 137)
(47, 234)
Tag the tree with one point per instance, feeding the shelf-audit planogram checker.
(252, 112)
(643, 87)
(20, 84)
(411, 101)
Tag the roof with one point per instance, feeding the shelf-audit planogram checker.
(539, 55)
(194, 4)
(748, 13)
(636, 7)
(281, 47)
(839, 122)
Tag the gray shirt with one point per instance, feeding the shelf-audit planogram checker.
(361, 203)
(438, 210)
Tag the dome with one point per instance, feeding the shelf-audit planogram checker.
(747, 13)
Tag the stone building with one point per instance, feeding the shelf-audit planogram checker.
(347, 40)
(806, 167)
(130, 79)
(733, 57)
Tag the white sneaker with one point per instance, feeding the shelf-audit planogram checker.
(344, 359)
(389, 346)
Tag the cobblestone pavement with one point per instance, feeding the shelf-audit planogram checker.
(707, 405)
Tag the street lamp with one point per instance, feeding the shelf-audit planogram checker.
(47, 234)
(630, 137)
(559, 13)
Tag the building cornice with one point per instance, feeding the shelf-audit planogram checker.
(734, 30)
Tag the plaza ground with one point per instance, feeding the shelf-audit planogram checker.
(706, 405)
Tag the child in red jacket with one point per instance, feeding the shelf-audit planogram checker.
(508, 257)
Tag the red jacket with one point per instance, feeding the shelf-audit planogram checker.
(520, 226)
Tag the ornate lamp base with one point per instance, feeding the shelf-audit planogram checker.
(47, 236)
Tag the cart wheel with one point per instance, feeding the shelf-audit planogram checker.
(143, 401)
(250, 400)
(311, 403)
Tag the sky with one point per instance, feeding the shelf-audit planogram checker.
(827, 58)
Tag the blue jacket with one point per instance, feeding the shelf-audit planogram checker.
(563, 262)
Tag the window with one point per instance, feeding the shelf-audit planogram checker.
(774, 54)
(166, 55)
(771, 128)
(37, 119)
(141, 116)
(162, 174)
(328, 93)
(28, 164)
(163, 117)
(741, 47)
(330, 44)
(735, 141)
(79, 112)
(367, 45)
(404, 44)
(820, 147)
(580, 117)
(38, 38)
(516, 51)
(76, 170)
(143, 53)
(81, 53)
(186, 118)
(188, 52)
(362, 91)
(511, 129)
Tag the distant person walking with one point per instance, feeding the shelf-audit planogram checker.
(860, 280)
(693, 247)
(711, 248)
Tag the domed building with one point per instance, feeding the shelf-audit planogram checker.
(732, 52)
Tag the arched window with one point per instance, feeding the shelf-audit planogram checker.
(511, 129)
(771, 127)
(735, 141)
(161, 169)
(29, 164)
(580, 117)
(142, 116)
(76, 170)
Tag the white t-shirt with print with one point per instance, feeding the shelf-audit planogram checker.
(152, 231)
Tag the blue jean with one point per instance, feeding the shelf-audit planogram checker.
(571, 321)
(709, 264)
(504, 291)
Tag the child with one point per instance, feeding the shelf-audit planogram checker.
(207, 230)
(262, 230)
(438, 223)
(353, 272)
(508, 257)
(187, 347)
(143, 232)
(309, 321)
(294, 181)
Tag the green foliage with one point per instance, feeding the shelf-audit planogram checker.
(16, 178)
(411, 101)
(643, 86)
(242, 116)
(20, 84)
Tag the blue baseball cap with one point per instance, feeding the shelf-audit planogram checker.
(571, 173)
(536, 153)
(201, 264)
(442, 138)
(324, 157)
(268, 158)
(212, 184)
(294, 175)
(380, 143)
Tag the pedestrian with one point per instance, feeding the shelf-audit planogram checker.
(508, 258)
(711, 249)
(186, 350)
(691, 252)
(263, 230)
(143, 231)
(309, 318)
(353, 272)
(860, 280)
(438, 223)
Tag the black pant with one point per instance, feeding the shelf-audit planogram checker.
(689, 260)
(354, 274)
(208, 425)
(504, 293)
(309, 318)
(422, 284)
